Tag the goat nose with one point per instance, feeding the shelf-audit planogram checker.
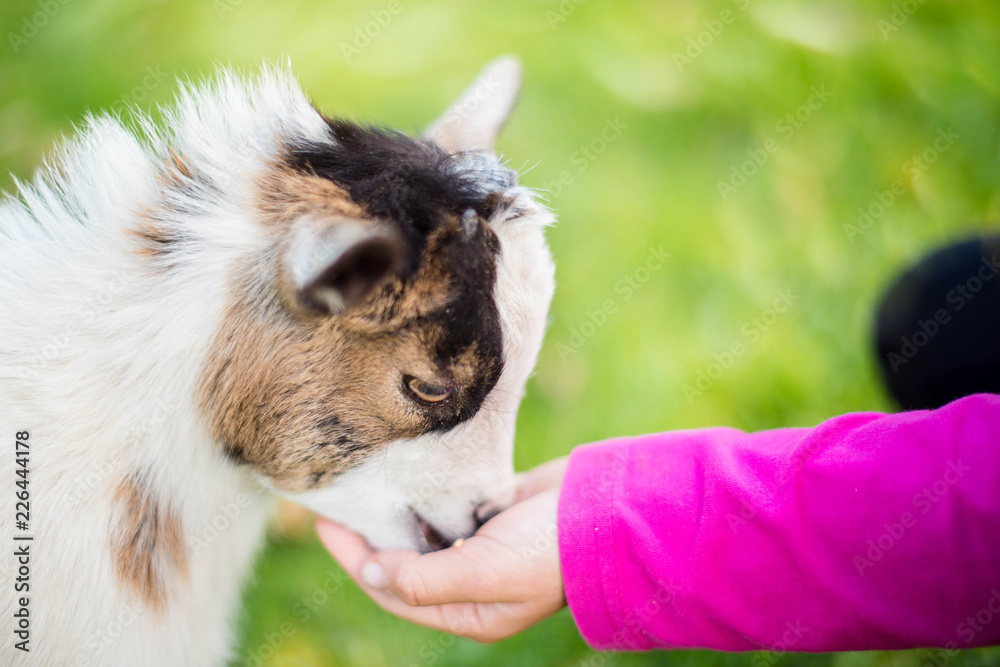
(485, 512)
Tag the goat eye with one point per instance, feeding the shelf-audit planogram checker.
(427, 392)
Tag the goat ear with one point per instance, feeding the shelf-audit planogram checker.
(474, 120)
(336, 264)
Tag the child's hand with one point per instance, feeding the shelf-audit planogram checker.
(500, 581)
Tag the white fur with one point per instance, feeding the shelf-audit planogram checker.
(100, 358)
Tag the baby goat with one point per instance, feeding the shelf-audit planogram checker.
(254, 299)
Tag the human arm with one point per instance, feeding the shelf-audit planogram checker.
(868, 531)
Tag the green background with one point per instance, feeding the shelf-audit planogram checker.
(686, 124)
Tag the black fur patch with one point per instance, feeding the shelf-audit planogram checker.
(412, 183)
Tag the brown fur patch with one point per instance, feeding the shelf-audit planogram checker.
(154, 237)
(286, 195)
(146, 541)
(181, 169)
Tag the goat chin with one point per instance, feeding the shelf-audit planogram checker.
(201, 316)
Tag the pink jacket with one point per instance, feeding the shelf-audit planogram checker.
(870, 531)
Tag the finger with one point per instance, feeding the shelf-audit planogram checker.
(456, 574)
(346, 546)
(481, 622)
(352, 552)
(415, 580)
(436, 578)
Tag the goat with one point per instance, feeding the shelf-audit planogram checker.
(249, 300)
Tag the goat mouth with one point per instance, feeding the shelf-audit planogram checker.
(432, 537)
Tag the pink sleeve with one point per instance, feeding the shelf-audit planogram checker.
(869, 531)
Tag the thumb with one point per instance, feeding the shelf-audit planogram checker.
(442, 577)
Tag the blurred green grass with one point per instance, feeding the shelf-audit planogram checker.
(685, 126)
